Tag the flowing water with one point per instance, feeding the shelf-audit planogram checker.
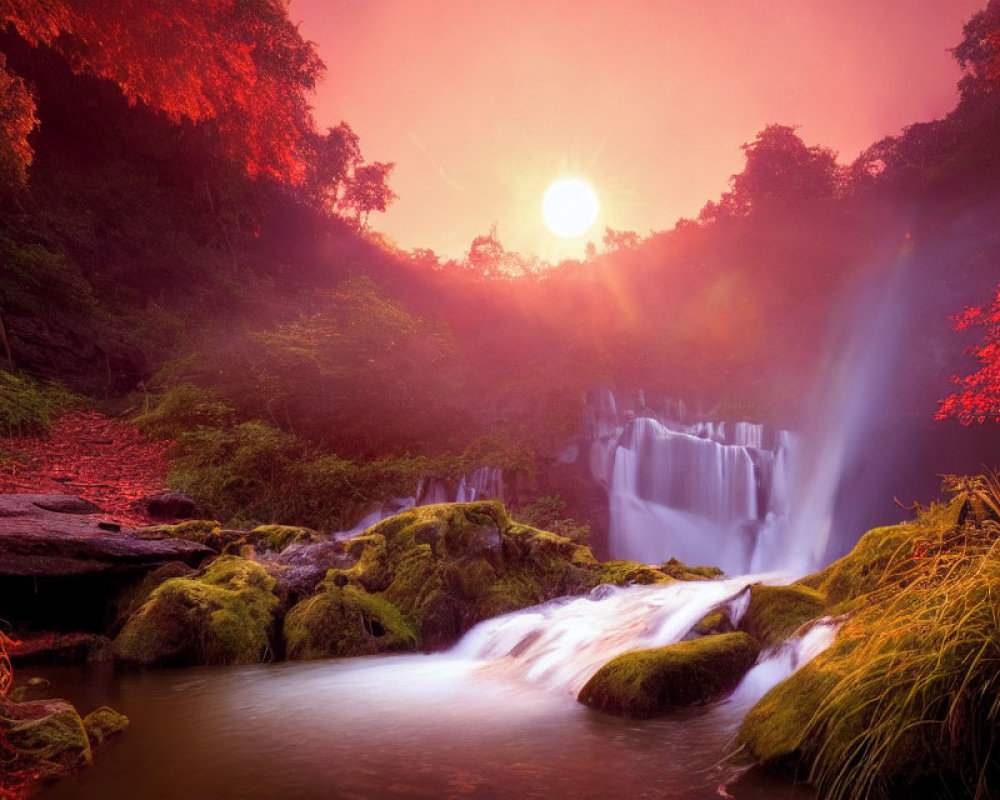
(494, 718)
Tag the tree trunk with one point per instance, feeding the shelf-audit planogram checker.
(6, 344)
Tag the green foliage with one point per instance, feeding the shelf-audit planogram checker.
(181, 409)
(29, 407)
(549, 513)
(648, 683)
(905, 700)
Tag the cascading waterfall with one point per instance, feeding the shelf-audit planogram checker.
(689, 491)
(561, 644)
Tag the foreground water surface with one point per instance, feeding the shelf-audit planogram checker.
(413, 726)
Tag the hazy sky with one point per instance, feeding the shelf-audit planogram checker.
(482, 104)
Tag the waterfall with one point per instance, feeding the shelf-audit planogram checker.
(484, 483)
(561, 644)
(696, 492)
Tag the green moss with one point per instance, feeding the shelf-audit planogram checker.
(682, 572)
(447, 567)
(776, 728)
(624, 573)
(345, 621)
(132, 597)
(221, 616)
(648, 683)
(776, 612)
(103, 723)
(277, 537)
(47, 736)
(716, 621)
(878, 555)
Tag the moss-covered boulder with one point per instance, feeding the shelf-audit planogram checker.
(133, 596)
(680, 571)
(275, 538)
(648, 683)
(272, 538)
(103, 723)
(45, 738)
(774, 613)
(222, 615)
(345, 621)
(443, 568)
(715, 621)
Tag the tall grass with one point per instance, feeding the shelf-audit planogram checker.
(910, 691)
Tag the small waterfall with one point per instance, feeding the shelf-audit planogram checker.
(484, 483)
(561, 644)
(778, 664)
(693, 493)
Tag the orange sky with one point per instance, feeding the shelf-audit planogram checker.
(482, 104)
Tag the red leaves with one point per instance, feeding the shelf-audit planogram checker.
(241, 67)
(979, 398)
(105, 461)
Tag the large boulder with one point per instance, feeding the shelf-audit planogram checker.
(775, 613)
(345, 621)
(446, 567)
(648, 683)
(43, 738)
(222, 615)
(56, 536)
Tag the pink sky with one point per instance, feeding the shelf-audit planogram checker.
(482, 104)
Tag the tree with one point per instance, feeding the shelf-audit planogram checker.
(239, 66)
(619, 240)
(979, 397)
(781, 172)
(979, 51)
(486, 253)
(17, 120)
(368, 190)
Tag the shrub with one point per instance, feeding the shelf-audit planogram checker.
(29, 407)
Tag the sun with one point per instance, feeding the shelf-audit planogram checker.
(570, 207)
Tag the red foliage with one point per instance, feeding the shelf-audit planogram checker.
(12, 781)
(102, 460)
(979, 398)
(242, 67)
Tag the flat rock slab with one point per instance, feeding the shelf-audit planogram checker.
(50, 535)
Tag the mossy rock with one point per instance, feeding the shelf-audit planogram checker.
(680, 571)
(649, 683)
(715, 621)
(276, 538)
(47, 736)
(132, 597)
(345, 621)
(861, 570)
(207, 532)
(625, 573)
(222, 615)
(103, 723)
(447, 567)
(774, 613)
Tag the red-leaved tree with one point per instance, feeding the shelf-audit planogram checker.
(238, 65)
(978, 398)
